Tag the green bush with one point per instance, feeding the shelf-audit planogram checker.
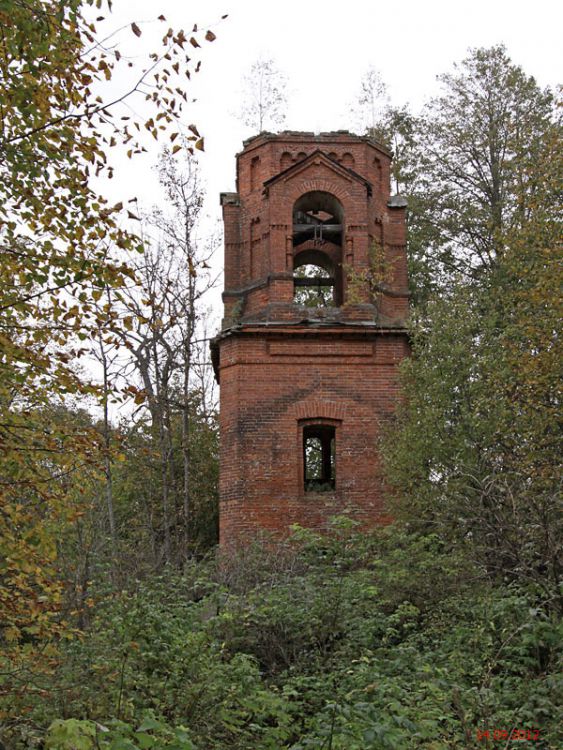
(348, 641)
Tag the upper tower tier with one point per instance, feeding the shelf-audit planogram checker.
(313, 233)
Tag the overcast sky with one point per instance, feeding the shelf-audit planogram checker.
(325, 47)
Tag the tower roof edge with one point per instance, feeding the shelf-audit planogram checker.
(296, 136)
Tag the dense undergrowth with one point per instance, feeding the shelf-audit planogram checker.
(438, 632)
(343, 642)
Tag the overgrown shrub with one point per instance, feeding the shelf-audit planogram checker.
(349, 641)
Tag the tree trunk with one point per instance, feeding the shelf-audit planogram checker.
(107, 463)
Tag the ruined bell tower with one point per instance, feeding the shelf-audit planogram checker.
(314, 327)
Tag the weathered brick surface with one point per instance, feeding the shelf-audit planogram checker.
(282, 366)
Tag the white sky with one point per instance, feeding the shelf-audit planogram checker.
(324, 48)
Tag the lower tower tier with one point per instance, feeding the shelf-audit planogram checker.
(302, 409)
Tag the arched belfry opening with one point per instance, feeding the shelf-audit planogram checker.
(317, 232)
(307, 357)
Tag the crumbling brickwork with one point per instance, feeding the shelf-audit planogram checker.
(326, 366)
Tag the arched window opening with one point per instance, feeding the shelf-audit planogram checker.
(313, 286)
(317, 216)
(319, 458)
(317, 247)
(254, 167)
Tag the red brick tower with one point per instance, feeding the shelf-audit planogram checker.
(315, 307)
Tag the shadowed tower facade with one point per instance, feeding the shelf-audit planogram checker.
(314, 328)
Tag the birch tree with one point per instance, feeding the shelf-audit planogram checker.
(161, 317)
(264, 96)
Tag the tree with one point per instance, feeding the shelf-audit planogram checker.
(138, 486)
(368, 109)
(398, 130)
(57, 123)
(107, 355)
(183, 189)
(478, 144)
(156, 322)
(264, 99)
(475, 454)
(60, 116)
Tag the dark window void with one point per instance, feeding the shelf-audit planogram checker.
(317, 217)
(319, 465)
(317, 250)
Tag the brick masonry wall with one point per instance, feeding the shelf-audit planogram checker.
(278, 373)
(269, 385)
